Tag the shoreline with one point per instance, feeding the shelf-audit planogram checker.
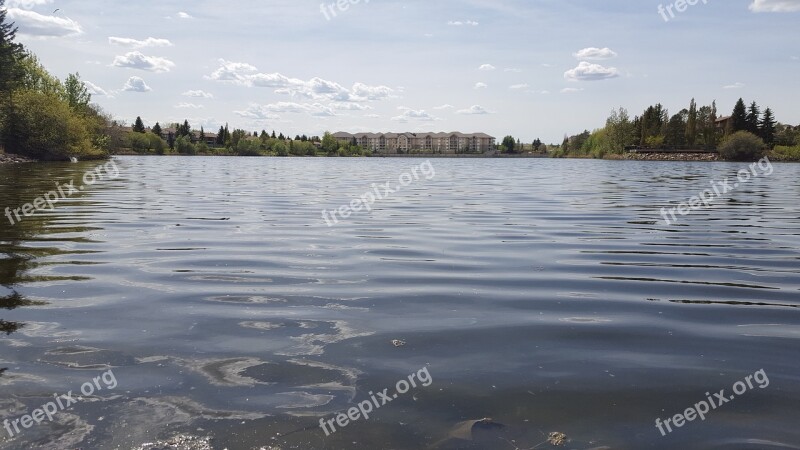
(8, 158)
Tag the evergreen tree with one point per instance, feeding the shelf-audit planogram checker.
(739, 117)
(157, 129)
(537, 144)
(184, 130)
(767, 128)
(202, 134)
(273, 134)
(138, 126)
(282, 137)
(221, 136)
(691, 124)
(753, 117)
(10, 53)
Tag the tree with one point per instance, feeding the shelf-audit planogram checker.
(329, 144)
(691, 124)
(78, 96)
(621, 131)
(10, 52)
(675, 135)
(138, 126)
(509, 144)
(202, 134)
(221, 136)
(157, 129)
(184, 130)
(766, 128)
(742, 146)
(282, 137)
(752, 118)
(537, 144)
(739, 117)
(273, 135)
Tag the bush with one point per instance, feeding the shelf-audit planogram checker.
(157, 145)
(184, 146)
(784, 153)
(247, 147)
(42, 126)
(742, 146)
(139, 142)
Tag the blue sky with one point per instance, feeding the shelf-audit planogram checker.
(529, 68)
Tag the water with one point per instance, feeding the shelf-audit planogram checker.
(547, 295)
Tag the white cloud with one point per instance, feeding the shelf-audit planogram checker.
(349, 106)
(571, 90)
(475, 110)
(255, 111)
(183, 15)
(26, 4)
(775, 5)
(233, 71)
(519, 86)
(315, 88)
(445, 106)
(736, 85)
(95, 89)
(591, 72)
(480, 85)
(487, 67)
(594, 53)
(136, 84)
(134, 43)
(409, 114)
(459, 23)
(34, 24)
(136, 60)
(198, 94)
(189, 106)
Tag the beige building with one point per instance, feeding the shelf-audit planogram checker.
(393, 143)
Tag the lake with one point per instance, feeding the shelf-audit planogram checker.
(208, 303)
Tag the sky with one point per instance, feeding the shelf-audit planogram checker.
(526, 68)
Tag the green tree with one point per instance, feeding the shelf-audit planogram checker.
(329, 144)
(675, 135)
(752, 118)
(620, 130)
(11, 53)
(185, 130)
(221, 136)
(766, 128)
(46, 128)
(509, 144)
(184, 146)
(77, 94)
(138, 126)
(691, 124)
(157, 129)
(739, 117)
(742, 146)
(537, 144)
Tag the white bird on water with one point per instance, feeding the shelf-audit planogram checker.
(73, 159)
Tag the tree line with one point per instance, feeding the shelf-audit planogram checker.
(691, 128)
(182, 139)
(41, 116)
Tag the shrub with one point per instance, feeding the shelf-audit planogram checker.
(184, 146)
(247, 147)
(139, 142)
(157, 145)
(784, 153)
(742, 146)
(42, 126)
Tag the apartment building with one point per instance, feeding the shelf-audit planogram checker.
(454, 142)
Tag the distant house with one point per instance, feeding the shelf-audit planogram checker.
(723, 122)
(454, 142)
